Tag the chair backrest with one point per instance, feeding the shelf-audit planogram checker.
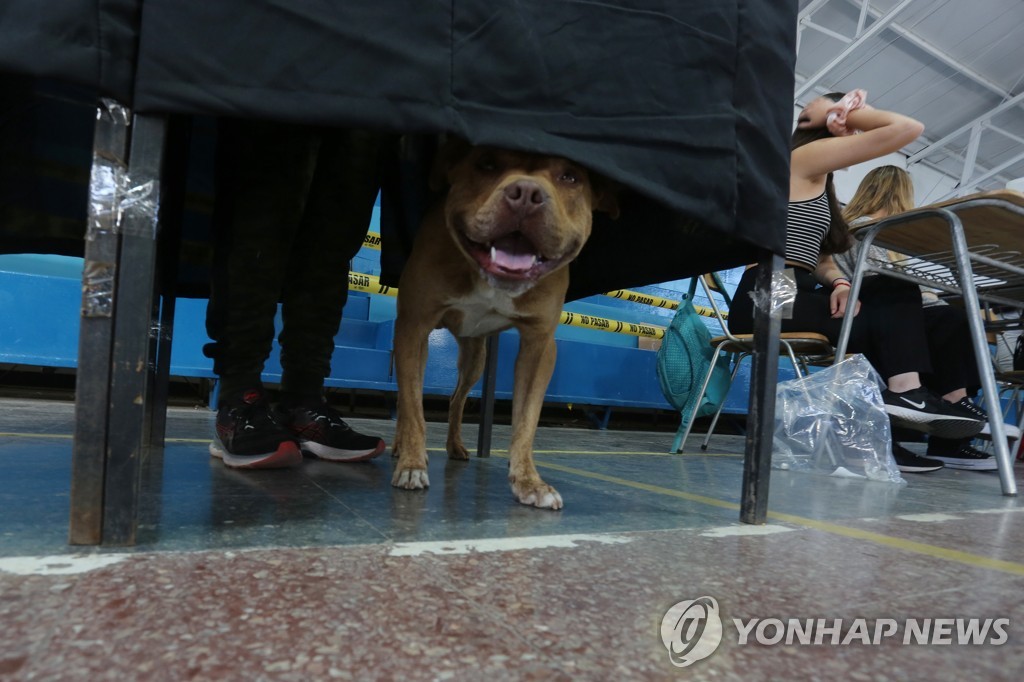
(711, 282)
(684, 360)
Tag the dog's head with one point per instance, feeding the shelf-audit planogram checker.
(518, 216)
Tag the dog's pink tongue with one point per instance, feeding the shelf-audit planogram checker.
(513, 252)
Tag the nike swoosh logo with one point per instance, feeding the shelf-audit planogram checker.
(919, 405)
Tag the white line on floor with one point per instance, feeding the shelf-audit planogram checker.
(501, 544)
(744, 529)
(929, 518)
(68, 564)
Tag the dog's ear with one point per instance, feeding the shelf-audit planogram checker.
(606, 195)
(451, 151)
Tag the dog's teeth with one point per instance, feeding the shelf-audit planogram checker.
(533, 260)
(494, 254)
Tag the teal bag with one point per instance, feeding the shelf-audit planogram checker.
(683, 361)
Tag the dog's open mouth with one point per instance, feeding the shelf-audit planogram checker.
(511, 256)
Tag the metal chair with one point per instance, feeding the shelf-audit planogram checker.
(802, 348)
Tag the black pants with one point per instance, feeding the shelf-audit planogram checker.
(293, 206)
(889, 330)
(949, 344)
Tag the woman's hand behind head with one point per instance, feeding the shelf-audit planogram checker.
(813, 115)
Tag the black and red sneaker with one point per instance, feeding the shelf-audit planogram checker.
(322, 433)
(249, 436)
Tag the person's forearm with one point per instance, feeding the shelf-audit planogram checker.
(828, 272)
(873, 119)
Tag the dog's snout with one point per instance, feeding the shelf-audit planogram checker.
(524, 195)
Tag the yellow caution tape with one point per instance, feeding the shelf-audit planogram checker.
(372, 241)
(370, 284)
(357, 281)
(614, 326)
(645, 299)
(659, 302)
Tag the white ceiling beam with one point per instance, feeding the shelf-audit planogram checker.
(804, 15)
(935, 146)
(1005, 133)
(938, 54)
(865, 5)
(972, 155)
(811, 8)
(974, 182)
(967, 72)
(872, 31)
(827, 31)
(998, 169)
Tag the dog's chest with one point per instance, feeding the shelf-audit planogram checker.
(482, 311)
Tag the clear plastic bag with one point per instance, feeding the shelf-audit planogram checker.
(834, 422)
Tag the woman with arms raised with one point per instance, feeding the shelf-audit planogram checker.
(833, 132)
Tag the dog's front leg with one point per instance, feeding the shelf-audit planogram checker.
(411, 342)
(534, 365)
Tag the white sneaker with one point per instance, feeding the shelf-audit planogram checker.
(1012, 432)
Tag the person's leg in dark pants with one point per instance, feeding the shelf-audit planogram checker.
(264, 174)
(954, 372)
(295, 206)
(955, 377)
(334, 222)
(888, 330)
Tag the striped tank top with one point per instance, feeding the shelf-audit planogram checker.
(807, 224)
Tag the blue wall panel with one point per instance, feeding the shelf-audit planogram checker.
(39, 306)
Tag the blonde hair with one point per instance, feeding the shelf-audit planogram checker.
(886, 189)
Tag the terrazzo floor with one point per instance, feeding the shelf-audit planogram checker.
(326, 572)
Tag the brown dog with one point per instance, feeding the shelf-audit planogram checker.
(492, 256)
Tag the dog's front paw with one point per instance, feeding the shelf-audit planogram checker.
(410, 479)
(537, 494)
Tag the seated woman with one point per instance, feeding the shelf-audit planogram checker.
(889, 327)
(886, 191)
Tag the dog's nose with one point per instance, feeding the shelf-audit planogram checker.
(524, 195)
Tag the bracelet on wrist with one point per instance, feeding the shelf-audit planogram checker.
(838, 282)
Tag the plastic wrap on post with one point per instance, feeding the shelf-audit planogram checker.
(116, 206)
(97, 289)
(141, 203)
(105, 184)
(834, 422)
(779, 302)
(107, 177)
(114, 112)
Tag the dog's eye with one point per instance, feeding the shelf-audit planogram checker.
(570, 177)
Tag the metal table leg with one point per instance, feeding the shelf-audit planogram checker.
(965, 282)
(483, 439)
(965, 275)
(96, 327)
(757, 460)
(172, 206)
(136, 319)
